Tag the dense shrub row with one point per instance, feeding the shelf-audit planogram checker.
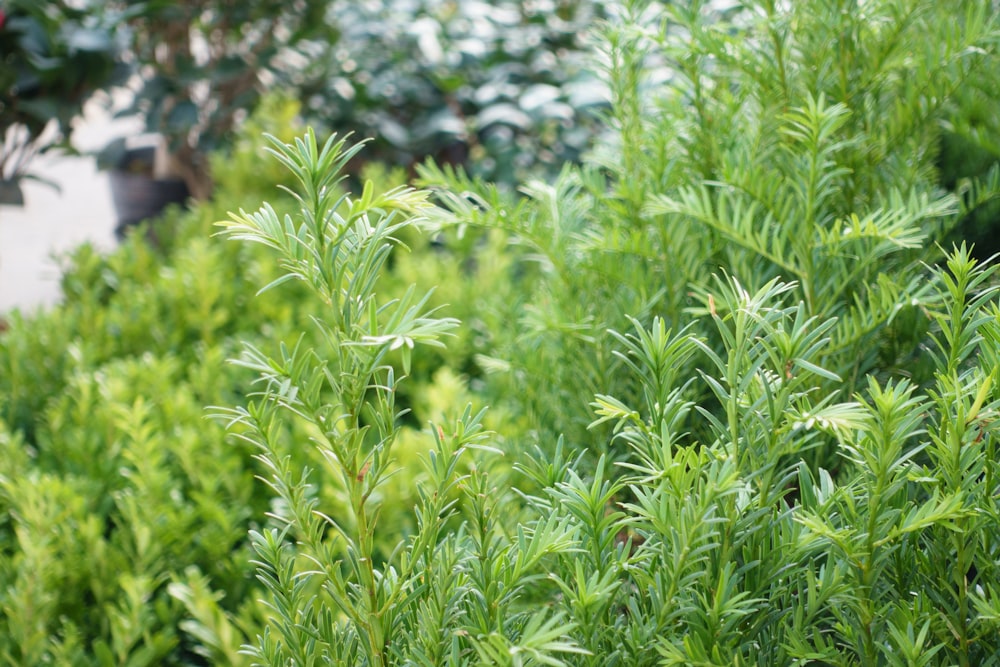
(742, 408)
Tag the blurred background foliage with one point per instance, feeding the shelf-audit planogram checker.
(503, 87)
(53, 57)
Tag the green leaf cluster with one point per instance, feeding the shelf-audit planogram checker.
(743, 407)
(797, 143)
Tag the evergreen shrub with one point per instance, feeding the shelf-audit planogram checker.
(743, 407)
(719, 545)
(789, 453)
(124, 513)
(797, 142)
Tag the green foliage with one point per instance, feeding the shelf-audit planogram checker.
(743, 408)
(794, 142)
(793, 466)
(502, 87)
(53, 57)
(116, 490)
(969, 158)
(438, 595)
(726, 544)
(125, 514)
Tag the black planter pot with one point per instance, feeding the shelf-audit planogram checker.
(136, 195)
(11, 193)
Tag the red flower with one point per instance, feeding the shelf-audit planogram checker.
(2, 18)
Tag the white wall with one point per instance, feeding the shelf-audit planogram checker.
(53, 222)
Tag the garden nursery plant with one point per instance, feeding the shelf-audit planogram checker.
(742, 399)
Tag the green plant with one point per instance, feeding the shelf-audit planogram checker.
(53, 57)
(794, 141)
(101, 418)
(738, 553)
(784, 525)
(715, 546)
(203, 65)
(104, 505)
(501, 87)
(101, 415)
(440, 595)
(969, 157)
(736, 485)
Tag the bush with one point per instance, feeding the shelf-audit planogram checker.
(794, 445)
(725, 548)
(797, 143)
(125, 524)
(777, 397)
